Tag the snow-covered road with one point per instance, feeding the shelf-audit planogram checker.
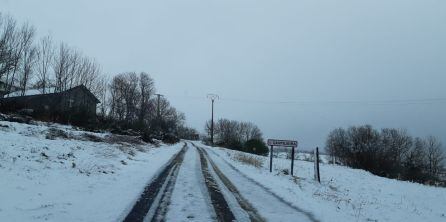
(51, 172)
(209, 189)
(269, 205)
(190, 201)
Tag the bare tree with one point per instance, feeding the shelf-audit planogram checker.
(29, 59)
(24, 38)
(394, 145)
(75, 58)
(244, 131)
(61, 67)
(147, 89)
(337, 145)
(117, 102)
(415, 161)
(187, 133)
(434, 155)
(125, 97)
(45, 56)
(254, 132)
(101, 93)
(248, 131)
(131, 96)
(207, 128)
(7, 45)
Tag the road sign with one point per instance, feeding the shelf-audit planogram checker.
(284, 143)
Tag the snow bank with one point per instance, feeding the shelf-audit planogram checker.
(345, 194)
(29, 92)
(69, 179)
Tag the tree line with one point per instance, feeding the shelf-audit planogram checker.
(242, 136)
(391, 153)
(39, 63)
(133, 104)
(127, 101)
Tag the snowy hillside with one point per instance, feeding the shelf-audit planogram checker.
(57, 173)
(344, 194)
(51, 172)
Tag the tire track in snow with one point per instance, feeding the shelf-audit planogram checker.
(309, 216)
(247, 207)
(154, 200)
(190, 198)
(221, 207)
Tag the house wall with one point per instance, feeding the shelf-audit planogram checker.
(42, 105)
(57, 106)
(78, 100)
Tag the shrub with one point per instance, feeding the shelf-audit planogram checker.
(170, 139)
(390, 152)
(256, 146)
(249, 159)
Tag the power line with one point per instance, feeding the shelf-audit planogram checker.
(423, 101)
(344, 102)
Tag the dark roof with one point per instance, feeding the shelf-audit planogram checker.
(83, 88)
(80, 87)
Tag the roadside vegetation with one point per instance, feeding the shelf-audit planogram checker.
(242, 136)
(391, 153)
(248, 159)
(128, 104)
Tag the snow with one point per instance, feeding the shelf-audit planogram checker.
(28, 92)
(302, 155)
(189, 200)
(236, 209)
(269, 206)
(344, 194)
(70, 179)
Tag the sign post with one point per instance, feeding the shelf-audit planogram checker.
(292, 160)
(271, 160)
(284, 143)
(317, 175)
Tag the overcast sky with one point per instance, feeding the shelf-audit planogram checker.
(296, 68)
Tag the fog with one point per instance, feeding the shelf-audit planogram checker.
(297, 69)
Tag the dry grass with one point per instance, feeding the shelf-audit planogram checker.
(123, 139)
(248, 159)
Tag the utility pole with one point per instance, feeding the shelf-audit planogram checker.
(158, 106)
(158, 115)
(212, 97)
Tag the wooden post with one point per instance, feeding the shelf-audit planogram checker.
(317, 175)
(292, 160)
(271, 160)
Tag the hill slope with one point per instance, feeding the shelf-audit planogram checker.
(344, 194)
(57, 173)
